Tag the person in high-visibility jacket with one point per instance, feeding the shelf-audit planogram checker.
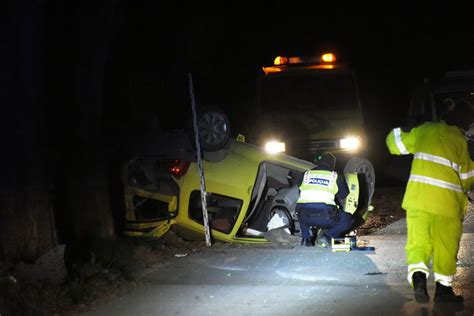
(435, 198)
(321, 193)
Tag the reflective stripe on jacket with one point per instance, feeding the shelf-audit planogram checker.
(318, 186)
(441, 171)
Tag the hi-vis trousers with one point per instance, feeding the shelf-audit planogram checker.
(432, 238)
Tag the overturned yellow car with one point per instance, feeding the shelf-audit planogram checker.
(249, 193)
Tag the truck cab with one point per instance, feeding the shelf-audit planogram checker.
(309, 105)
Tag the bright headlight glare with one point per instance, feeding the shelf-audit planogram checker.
(275, 147)
(350, 143)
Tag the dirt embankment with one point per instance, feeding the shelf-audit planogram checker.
(387, 210)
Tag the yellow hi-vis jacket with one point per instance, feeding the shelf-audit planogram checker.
(441, 171)
(318, 186)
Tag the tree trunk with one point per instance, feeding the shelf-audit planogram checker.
(26, 225)
(92, 216)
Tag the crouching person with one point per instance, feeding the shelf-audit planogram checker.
(321, 194)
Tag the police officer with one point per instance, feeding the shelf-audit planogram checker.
(319, 204)
(435, 198)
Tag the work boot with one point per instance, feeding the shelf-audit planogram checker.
(446, 294)
(308, 242)
(419, 285)
(324, 241)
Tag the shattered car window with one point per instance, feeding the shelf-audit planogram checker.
(222, 210)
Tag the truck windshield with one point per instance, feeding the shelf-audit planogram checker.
(308, 92)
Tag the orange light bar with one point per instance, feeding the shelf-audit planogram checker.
(328, 58)
(268, 70)
(328, 66)
(325, 58)
(297, 60)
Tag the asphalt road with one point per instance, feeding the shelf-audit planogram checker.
(288, 279)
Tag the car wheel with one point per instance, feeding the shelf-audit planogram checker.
(364, 167)
(214, 129)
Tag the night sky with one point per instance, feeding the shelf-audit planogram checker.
(150, 52)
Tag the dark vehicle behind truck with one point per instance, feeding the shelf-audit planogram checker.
(428, 102)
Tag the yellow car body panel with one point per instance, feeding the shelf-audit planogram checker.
(153, 229)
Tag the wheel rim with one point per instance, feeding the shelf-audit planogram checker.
(212, 128)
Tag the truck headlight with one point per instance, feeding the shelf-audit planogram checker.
(351, 143)
(274, 147)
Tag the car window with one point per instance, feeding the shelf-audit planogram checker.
(149, 208)
(445, 99)
(222, 210)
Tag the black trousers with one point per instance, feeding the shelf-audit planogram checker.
(320, 215)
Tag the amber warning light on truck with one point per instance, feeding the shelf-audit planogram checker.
(324, 61)
(324, 58)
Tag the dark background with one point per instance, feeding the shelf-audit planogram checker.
(147, 54)
(83, 81)
(391, 54)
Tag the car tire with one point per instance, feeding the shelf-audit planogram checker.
(214, 129)
(362, 166)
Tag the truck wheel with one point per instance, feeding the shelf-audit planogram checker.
(364, 167)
